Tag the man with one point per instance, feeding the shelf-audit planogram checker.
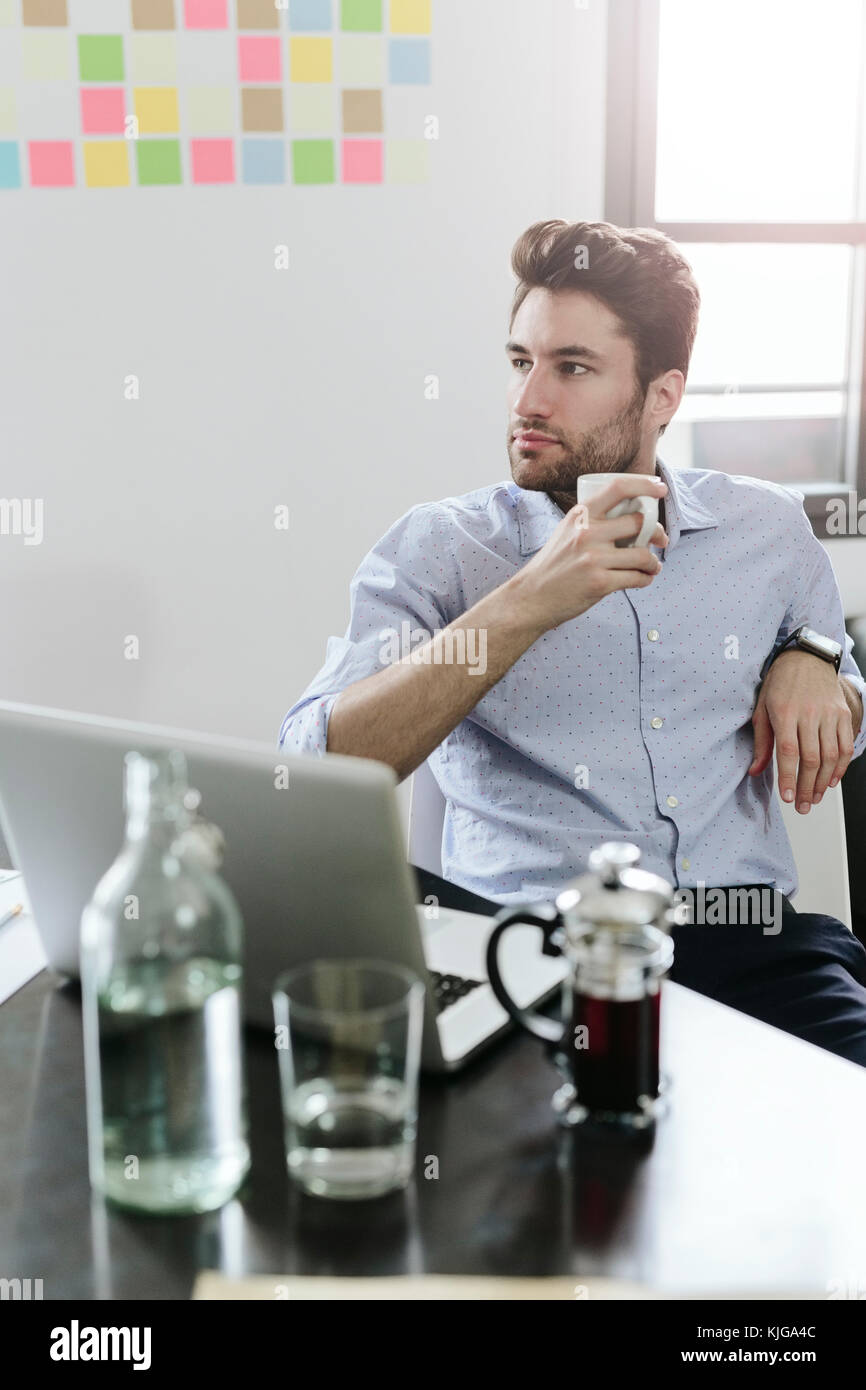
(605, 691)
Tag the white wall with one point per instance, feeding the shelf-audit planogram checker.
(260, 387)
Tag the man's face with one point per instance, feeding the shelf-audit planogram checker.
(573, 379)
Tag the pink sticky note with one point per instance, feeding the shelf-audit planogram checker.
(52, 163)
(103, 110)
(259, 59)
(213, 161)
(362, 161)
(206, 14)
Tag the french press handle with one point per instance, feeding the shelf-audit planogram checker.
(549, 922)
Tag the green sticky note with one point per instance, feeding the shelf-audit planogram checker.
(361, 16)
(313, 161)
(406, 161)
(100, 57)
(158, 161)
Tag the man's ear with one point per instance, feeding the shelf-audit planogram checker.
(666, 392)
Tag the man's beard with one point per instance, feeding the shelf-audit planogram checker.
(610, 448)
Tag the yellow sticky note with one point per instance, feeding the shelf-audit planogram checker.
(156, 109)
(106, 163)
(411, 16)
(310, 60)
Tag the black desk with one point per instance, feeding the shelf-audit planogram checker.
(754, 1183)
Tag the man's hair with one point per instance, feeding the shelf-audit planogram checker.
(636, 271)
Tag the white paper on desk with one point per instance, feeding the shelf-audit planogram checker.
(276, 1287)
(21, 951)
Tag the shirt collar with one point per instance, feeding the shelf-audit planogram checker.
(538, 514)
(684, 510)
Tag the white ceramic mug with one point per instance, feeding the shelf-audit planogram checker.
(589, 484)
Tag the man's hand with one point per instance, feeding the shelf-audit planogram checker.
(813, 715)
(580, 564)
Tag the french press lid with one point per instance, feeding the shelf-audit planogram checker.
(615, 894)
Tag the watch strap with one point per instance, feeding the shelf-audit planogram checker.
(794, 640)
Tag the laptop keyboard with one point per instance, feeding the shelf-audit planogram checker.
(447, 989)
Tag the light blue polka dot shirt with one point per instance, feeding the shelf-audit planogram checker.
(631, 722)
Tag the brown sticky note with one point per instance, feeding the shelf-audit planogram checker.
(153, 14)
(362, 111)
(258, 14)
(50, 12)
(262, 108)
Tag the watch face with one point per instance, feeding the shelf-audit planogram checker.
(823, 646)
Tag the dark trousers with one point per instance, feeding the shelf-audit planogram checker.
(808, 978)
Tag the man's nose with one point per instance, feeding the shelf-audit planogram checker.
(533, 399)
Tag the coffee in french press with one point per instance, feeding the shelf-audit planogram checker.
(613, 926)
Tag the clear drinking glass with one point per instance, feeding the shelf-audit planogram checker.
(348, 1036)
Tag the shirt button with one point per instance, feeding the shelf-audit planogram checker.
(672, 801)
(656, 723)
(653, 635)
(687, 863)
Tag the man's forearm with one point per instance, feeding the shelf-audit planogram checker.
(400, 714)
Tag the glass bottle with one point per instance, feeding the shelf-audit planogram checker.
(161, 974)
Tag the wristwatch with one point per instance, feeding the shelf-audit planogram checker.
(810, 641)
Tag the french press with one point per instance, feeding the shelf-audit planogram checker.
(613, 926)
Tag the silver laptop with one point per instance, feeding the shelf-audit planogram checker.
(318, 869)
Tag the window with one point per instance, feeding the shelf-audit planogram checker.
(737, 127)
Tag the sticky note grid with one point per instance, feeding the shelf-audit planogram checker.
(126, 93)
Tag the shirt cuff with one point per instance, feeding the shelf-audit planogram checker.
(306, 730)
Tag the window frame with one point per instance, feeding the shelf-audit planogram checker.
(629, 201)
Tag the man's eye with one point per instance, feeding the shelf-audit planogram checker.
(570, 368)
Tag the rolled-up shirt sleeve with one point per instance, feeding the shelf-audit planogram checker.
(817, 603)
(403, 592)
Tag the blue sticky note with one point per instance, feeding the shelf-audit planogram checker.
(264, 161)
(409, 60)
(310, 14)
(10, 164)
